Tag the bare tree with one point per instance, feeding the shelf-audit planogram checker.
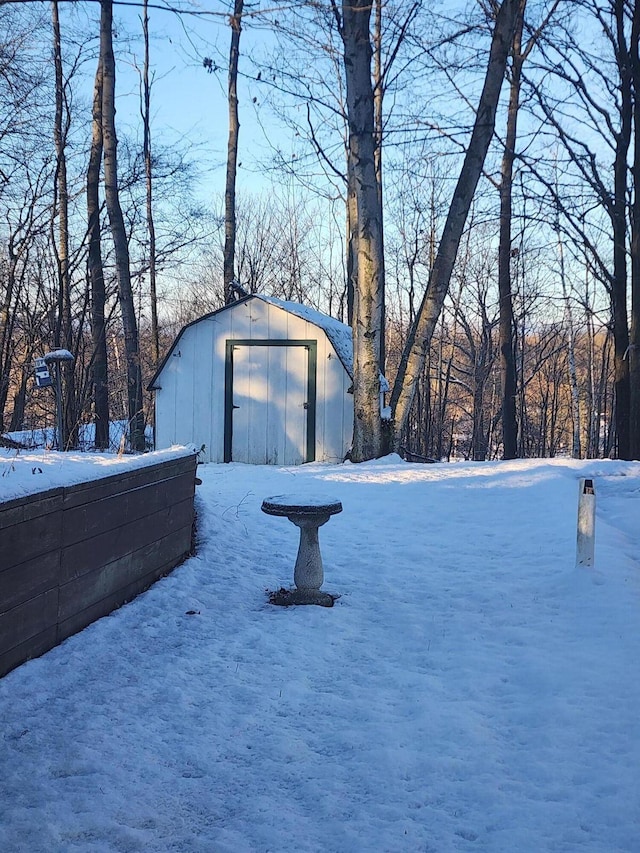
(589, 105)
(64, 331)
(368, 304)
(148, 172)
(519, 54)
(25, 181)
(475, 317)
(118, 231)
(95, 269)
(235, 22)
(423, 328)
(634, 332)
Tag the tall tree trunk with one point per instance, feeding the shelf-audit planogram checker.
(19, 401)
(378, 102)
(619, 222)
(367, 324)
(422, 331)
(232, 156)
(64, 330)
(118, 231)
(478, 435)
(352, 241)
(606, 412)
(522, 351)
(96, 274)
(507, 328)
(593, 419)
(7, 321)
(148, 171)
(634, 341)
(506, 323)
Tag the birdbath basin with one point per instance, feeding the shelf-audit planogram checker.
(308, 514)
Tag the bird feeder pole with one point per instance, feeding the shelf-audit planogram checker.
(57, 358)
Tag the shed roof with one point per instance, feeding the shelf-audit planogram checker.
(338, 333)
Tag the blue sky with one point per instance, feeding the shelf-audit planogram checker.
(188, 103)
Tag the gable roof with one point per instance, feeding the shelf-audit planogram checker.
(338, 333)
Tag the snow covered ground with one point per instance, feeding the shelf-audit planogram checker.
(471, 690)
(46, 437)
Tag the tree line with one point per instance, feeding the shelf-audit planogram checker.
(461, 189)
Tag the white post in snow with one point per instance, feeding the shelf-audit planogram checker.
(586, 523)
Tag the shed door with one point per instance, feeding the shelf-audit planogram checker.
(268, 398)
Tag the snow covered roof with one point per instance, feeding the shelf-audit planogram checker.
(338, 333)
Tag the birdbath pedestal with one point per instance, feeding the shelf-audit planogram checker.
(308, 514)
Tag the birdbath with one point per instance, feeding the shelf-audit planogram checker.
(308, 514)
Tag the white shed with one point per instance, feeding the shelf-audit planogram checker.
(260, 381)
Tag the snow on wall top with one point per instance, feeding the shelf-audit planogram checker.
(338, 333)
(28, 472)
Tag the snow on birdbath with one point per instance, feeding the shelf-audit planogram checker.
(308, 514)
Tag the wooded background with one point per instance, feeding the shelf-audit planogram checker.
(488, 256)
